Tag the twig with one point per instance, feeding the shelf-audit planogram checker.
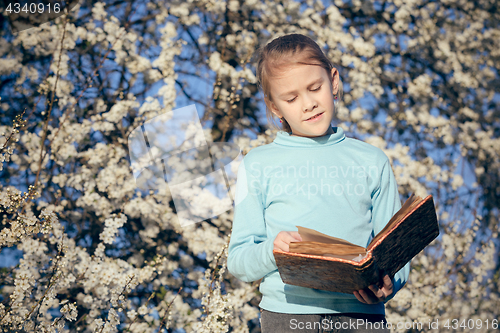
(219, 255)
(88, 85)
(18, 122)
(130, 325)
(51, 283)
(123, 293)
(165, 317)
(65, 114)
(45, 129)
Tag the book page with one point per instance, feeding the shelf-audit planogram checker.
(322, 248)
(315, 242)
(311, 235)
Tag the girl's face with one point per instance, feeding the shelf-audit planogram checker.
(301, 92)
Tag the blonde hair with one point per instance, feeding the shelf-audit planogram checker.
(285, 51)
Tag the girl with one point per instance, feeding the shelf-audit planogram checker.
(314, 176)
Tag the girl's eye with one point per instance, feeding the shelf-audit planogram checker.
(293, 99)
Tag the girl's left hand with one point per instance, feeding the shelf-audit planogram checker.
(375, 294)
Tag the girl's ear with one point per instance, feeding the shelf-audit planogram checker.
(335, 80)
(273, 108)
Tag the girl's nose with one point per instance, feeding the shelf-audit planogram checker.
(309, 103)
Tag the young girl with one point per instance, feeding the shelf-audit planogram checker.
(312, 175)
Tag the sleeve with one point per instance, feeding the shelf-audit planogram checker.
(250, 252)
(385, 203)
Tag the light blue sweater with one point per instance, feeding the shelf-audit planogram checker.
(339, 186)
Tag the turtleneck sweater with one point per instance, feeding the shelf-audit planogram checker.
(339, 186)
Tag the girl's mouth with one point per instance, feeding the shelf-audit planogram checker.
(316, 117)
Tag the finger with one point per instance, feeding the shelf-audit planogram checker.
(387, 281)
(358, 296)
(296, 236)
(388, 286)
(368, 297)
(378, 293)
(281, 241)
(283, 245)
(289, 238)
(280, 244)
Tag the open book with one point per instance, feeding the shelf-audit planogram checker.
(324, 262)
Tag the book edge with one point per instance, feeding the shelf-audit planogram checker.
(335, 240)
(371, 246)
(328, 245)
(314, 256)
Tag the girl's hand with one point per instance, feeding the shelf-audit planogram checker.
(284, 238)
(375, 294)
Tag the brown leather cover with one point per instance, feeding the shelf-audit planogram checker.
(407, 238)
(390, 253)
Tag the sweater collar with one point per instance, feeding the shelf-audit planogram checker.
(286, 139)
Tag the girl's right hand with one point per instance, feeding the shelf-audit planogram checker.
(284, 238)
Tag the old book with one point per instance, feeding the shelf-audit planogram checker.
(328, 263)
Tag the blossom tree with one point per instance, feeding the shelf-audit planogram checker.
(95, 254)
